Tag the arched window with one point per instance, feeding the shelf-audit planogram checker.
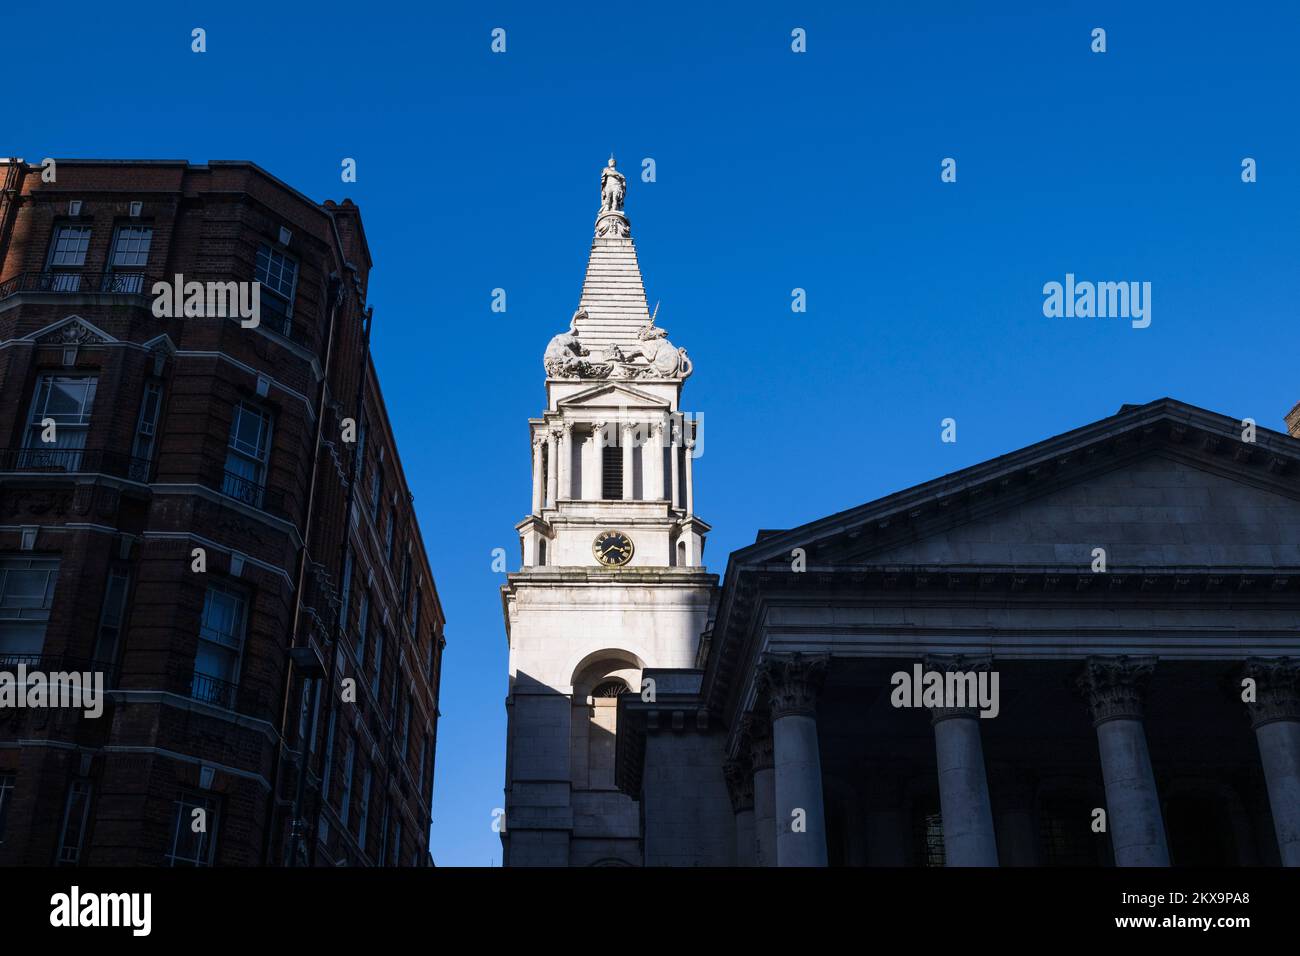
(597, 685)
(541, 552)
(610, 688)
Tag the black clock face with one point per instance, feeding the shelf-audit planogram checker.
(612, 548)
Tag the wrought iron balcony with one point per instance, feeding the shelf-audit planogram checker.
(212, 690)
(252, 493)
(78, 283)
(58, 664)
(41, 460)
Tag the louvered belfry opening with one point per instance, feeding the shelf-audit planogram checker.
(611, 485)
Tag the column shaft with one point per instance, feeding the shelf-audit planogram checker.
(1115, 688)
(598, 469)
(629, 461)
(792, 683)
(537, 475)
(566, 462)
(1275, 715)
(968, 835)
(552, 458)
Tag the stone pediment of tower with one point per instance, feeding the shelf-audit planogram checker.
(612, 397)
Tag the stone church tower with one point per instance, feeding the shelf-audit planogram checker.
(612, 579)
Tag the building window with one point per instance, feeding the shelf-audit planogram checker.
(250, 443)
(329, 758)
(129, 257)
(392, 696)
(365, 808)
(146, 428)
(378, 664)
(363, 623)
(349, 759)
(406, 725)
(927, 835)
(110, 619)
(397, 841)
(194, 831)
(424, 755)
(406, 579)
(67, 250)
(415, 613)
(26, 596)
(6, 795)
(67, 401)
(388, 538)
(75, 813)
(345, 591)
(376, 491)
(611, 481)
(221, 644)
(278, 275)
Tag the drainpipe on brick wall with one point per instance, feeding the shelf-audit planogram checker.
(335, 294)
(339, 623)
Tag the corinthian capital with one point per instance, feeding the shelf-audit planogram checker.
(792, 682)
(1114, 687)
(1277, 689)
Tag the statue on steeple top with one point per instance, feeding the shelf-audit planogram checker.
(613, 187)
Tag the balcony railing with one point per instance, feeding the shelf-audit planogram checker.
(57, 663)
(39, 460)
(71, 283)
(252, 493)
(212, 690)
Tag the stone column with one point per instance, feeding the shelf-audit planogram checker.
(654, 461)
(598, 439)
(1114, 688)
(690, 480)
(674, 439)
(629, 461)
(552, 457)
(792, 683)
(758, 731)
(740, 787)
(537, 474)
(1275, 717)
(565, 471)
(968, 835)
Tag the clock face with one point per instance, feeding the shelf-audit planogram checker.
(612, 548)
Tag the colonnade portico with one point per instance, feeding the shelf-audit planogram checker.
(780, 761)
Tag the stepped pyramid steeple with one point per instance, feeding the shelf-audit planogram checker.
(612, 334)
(613, 299)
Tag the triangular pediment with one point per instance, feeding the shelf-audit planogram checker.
(73, 330)
(1164, 485)
(613, 395)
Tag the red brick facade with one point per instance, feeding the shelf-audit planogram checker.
(203, 709)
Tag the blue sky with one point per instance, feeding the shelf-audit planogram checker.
(775, 170)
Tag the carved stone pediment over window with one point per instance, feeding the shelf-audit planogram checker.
(75, 332)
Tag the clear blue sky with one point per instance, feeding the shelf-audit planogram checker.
(775, 171)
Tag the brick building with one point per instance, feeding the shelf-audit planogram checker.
(164, 521)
